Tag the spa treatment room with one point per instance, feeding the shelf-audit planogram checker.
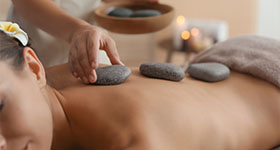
(139, 75)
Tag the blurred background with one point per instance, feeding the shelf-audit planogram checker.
(205, 22)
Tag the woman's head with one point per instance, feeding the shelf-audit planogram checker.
(25, 116)
(11, 51)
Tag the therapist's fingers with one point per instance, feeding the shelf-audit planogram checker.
(85, 45)
(77, 68)
(112, 52)
(82, 55)
(79, 59)
(93, 45)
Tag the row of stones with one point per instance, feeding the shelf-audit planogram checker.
(125, 12)
(117, 74)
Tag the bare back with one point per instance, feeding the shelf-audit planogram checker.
(241, 112)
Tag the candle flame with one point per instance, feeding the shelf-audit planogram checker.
(181, 20)
(185, 35)
(195, 32)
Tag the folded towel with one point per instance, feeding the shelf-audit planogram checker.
(255, 55)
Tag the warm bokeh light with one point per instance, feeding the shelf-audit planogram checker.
(185, 35)
(181, 20)
(195, 32)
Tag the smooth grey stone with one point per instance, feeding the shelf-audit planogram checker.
(112, 75)
(121, 12)
(162, 71)
(146, 13)
(210, 72)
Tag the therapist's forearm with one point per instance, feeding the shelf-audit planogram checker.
(49, 17)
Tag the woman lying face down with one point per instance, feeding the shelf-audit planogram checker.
(26, 118)
(142, 113)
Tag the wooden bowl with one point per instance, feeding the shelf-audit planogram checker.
(131, 25)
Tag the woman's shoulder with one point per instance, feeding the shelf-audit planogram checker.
(60, 77)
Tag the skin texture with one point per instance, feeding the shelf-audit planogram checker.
(18, 120)
(241, 112)
(84, 38)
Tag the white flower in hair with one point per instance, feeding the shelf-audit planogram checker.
(13, 30)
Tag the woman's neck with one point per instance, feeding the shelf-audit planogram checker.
(62, 133)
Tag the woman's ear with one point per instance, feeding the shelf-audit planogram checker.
(35, 66)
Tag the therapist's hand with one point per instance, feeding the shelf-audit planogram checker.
(83, 57)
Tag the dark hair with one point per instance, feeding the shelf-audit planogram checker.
(11, 50)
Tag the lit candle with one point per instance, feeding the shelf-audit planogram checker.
(180, 27)
(185, 35)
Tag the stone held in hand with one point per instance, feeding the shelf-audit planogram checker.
(121, 12)
(210, 72)
(162, 71)
(146, 13)
(112, 75)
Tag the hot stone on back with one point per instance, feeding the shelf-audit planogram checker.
(210, 72)
(162, 71)
(112, 75)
